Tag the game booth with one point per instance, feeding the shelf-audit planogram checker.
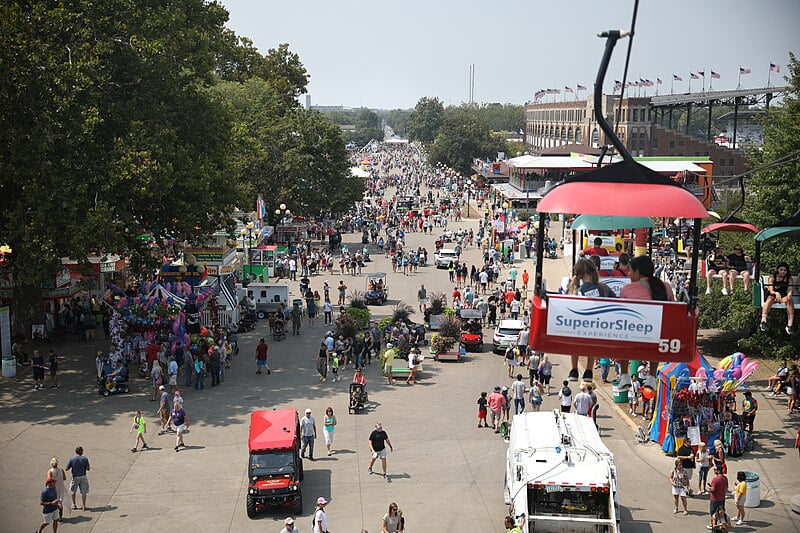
(697, 401)
(169, 312)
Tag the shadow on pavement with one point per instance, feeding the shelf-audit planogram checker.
(631, 525)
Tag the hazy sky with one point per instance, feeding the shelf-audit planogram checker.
(388, 54)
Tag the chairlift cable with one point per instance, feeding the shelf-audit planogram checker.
(627, 59)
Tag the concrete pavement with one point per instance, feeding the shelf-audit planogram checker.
(445, 474)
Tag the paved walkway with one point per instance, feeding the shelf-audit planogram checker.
(445, 474)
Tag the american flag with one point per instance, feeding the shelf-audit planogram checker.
(556, 91)
(702, 73)
(743, 70)
(658, 81)
(695, 76)
(774, 68)
(715, 75)
(648, 83)
(676, 77)
(582, 88)
(261, 209)
(568, 89)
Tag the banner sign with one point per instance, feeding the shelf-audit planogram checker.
(604, 319)
(610, 327)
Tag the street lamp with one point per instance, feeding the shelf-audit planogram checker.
(281, 213)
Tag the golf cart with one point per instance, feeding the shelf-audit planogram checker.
(376, 292)
(471, 329)
(275, 467)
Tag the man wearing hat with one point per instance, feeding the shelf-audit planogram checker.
(388, 361)
(50, 503)
(320, 520)
(308, 432)
(496, 402)
(288, 526)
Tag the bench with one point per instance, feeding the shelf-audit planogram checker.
(403, 371)
(750, 268)
(764, 282)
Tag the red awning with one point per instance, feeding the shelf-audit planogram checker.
(622, 199)
(730, 226)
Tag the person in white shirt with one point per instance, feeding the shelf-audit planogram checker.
(320, 520)
(565, 395)
(289, 527)
(518, 388)
(583, 402)
(515, 307)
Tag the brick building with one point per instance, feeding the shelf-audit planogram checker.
(553, 124)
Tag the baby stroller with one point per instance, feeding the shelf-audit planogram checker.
(279, 331)
(358, 397)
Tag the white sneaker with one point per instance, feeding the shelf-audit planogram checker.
(708, 291)
(739, 522)
(724, 291)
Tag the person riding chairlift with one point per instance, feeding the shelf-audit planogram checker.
(586, 282)
(779, 289)
(643, 286)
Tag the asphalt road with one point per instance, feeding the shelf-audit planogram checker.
(445, 474)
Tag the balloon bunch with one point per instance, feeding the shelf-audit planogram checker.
(734, 370)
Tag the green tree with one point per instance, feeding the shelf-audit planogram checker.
(399, 120)
(503, 117)
(106, 132)
(771, 195)
(464, 135)
(289, 155)
(426, 120)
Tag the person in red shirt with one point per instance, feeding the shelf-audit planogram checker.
(797, 442)
(261, 356)
(456, 295)
(597, 249)
(496, 403)
(152, 354)
(717, 491)
(525, 278)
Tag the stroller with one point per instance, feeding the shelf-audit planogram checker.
(358, 397)
(279, 331)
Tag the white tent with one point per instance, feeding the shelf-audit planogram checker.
(158, 291)
(357, 172)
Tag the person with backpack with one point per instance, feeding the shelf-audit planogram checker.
(565, 396)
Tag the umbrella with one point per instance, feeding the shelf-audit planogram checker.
(601, 222)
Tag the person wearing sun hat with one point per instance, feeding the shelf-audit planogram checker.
(388, 361)
(320, 519)
(288, 526)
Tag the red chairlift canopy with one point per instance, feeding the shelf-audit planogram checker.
(622, 189)
(731, 223)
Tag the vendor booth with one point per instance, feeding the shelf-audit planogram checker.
(697, 401)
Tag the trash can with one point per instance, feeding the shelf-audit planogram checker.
(619, 395)
(9, 368)
(753, 496)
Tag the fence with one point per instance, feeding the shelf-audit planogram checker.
(224, 317)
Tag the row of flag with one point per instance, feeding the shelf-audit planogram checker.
(643, 82)
(567, 89)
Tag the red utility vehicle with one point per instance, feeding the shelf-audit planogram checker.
(275, 468)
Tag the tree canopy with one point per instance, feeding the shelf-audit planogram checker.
(465, 134)
(426, 120)
(110, 130)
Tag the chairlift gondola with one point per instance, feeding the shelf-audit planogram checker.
(601, 327)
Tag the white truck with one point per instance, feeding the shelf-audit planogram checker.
(559, 475)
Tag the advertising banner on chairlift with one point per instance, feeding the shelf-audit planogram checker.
(620, 329)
